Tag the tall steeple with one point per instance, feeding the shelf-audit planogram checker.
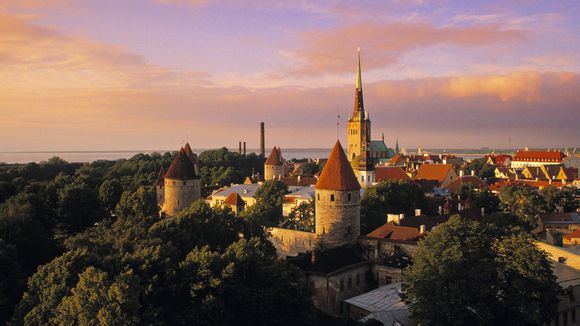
(358, 97)
(397, 147)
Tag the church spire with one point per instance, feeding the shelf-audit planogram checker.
(358, 97)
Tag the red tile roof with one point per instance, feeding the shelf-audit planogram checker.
(391, 173)
(394, 232)
(181, 168)
(275, 157)
(234, 199)
(337, 173)
(433, 172)
(539, 155)
(397, 158)
(303, 181)
(575, 234)
(468, 179)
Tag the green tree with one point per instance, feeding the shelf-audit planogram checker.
(141, 203)
(554, 198)
(268, 206)
(79, 207)
(301, 217)
(390, 198)
(523, 203)
(463, 273)
(110, 193)
(482, 169)
(11, 281)
(487, 200)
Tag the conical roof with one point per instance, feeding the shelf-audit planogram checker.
(337, 173)
(190, 154)
(160, 177)
(181, 168)
(275, 157)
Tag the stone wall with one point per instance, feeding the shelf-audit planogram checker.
(180, 194)
(160, 190)
(272, 172)
(337, 217)
(291, 242)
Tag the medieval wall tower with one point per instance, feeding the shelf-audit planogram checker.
(181, 183)
(160, 187)
(274, 165)
(359, 124)
(337, 197)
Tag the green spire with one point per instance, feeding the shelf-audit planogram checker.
(358, 74)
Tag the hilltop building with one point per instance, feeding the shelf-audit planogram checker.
(180, 186)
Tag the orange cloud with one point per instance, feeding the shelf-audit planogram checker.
(330, 50)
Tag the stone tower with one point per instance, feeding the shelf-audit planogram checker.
(274, 165)
(160, 187)
(359, 123)
(182, 184)
(337, 197)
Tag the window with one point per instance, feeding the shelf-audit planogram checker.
(362, 178)
(350, 283)
(174, 183)
(573, 314)
(357, 279)
(349, 197)
(318, 196)
(331, 197)
(323, 230)
(341, 286)
(178, 203)
(388, 280)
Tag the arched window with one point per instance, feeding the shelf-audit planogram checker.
(331, 197)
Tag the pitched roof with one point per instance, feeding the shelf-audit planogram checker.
(433, 172)
(299, 181)
(234, 199)
(571, 235)
(337, 173)
(538, 155)
(386, 173)
(396, 159)
(181, 168)
(190, 154)
(275, 157)
(378, 146)
(160, 177)
(468, 179)
(394, 232)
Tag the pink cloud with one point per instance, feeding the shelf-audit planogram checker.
(331, 50)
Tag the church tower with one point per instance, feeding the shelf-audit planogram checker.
(337, 196)
(359, 124)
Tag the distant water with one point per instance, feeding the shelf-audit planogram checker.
(288, 153)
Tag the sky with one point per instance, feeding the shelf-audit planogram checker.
(150, 74)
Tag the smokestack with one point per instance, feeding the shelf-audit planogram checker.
(240, 148)
(262, 142)
(244, 148)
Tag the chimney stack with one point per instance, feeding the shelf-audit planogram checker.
(483, 211)
(244, 148)
(440, 210)
(262, 142)
(240, 148)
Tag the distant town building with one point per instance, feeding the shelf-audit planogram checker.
(536, 158)
(274, 167)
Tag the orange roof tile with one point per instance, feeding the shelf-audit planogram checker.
(234, 199)
(275, 157)
(391, 173)
(394, 232)
(337, 173)
(433, 172)
(468, 179)
(575, 234)
(181, 168)
(539, 155)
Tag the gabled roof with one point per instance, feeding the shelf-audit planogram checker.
(394, 232)
(396, 159)
(181, 168)
(337, 173)
(160, 177)
(275, 157)
(388, 173)
(468, 179)
(234, 199)
(433, 172)
(538, 155)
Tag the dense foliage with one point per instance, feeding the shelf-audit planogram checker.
(269, 197)
(192, 268)
(221, 167)
(466, 272)
(390, 198)
(301, 217)
(482, 169)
